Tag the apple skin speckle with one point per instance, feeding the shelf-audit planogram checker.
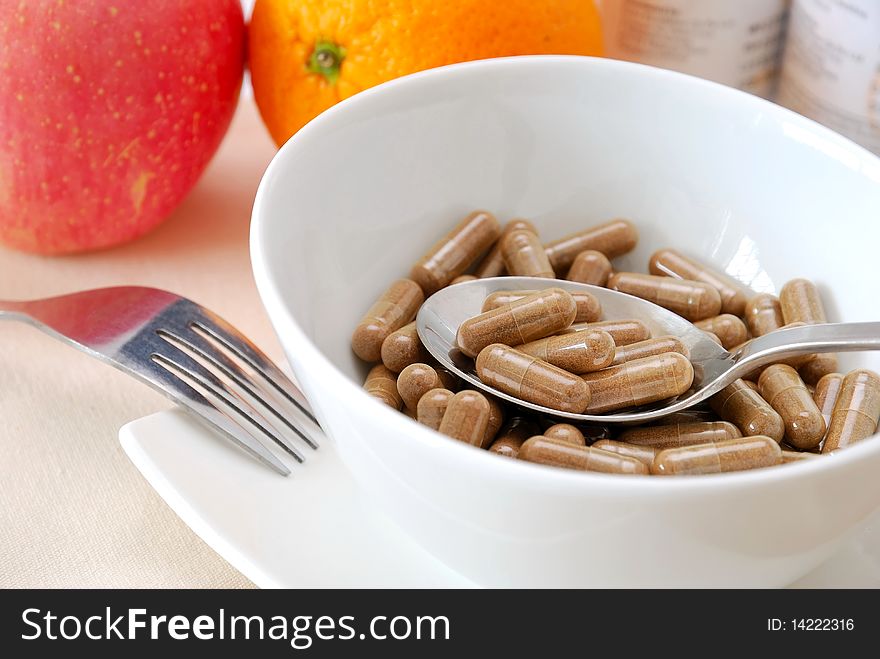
(109, 113)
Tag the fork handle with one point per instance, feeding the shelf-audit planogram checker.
(807, 339)
(12, 311)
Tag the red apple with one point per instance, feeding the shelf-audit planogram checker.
(109, 112)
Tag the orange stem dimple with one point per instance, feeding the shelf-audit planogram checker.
(326, 60)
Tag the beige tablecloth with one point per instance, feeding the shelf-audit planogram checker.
(73, 509)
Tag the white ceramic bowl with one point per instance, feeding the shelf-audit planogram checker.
(354, 198)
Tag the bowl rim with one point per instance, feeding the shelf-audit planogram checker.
(540, 476)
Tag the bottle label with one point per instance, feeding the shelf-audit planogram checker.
(831, 68)
(735, 43)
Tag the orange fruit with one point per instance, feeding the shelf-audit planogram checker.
(306, 55)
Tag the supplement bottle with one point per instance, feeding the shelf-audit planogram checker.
(831, 68)
(734, 43)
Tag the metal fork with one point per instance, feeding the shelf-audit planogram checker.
(189, 354)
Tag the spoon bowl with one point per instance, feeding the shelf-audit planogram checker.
(714, 367)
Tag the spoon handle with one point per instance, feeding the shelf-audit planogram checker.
(806, 339)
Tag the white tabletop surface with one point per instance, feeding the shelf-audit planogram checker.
(74, 512)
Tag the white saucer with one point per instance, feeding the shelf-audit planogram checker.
(315, 529)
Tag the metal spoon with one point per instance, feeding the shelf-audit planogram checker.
(714, 367)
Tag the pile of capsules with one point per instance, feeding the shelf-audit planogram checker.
(551, 347)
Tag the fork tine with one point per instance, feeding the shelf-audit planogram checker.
(219, 396)
(239, 345)
(202, 409)
(231, 370)
(217, 420)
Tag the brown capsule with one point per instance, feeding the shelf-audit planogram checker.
(462, 279)
(493, 263)
(693, 300)
(729, 329)
(524, 255)
(411, 412)
(528, 378)
(825, 395)
(783, 389)
(648, 348)
(546, 451)
(671, 263)
(590, 267)
(432, 406)
(381, 383)
(612, 239)
(397, 306)
(856, 410)
(588, 307)
(456, 251)
(496, 420)
(624, 332)
(415, 381)
(641, 453)
(676, 435)
(752, 385)
(800, 302)
(512, 436)
(403, 347)
(578, 352)
(466, 417)
(533, 317)
(745, 408)
(797, 456)
(763, 314)
(638, 382)
(818, 366)
(565, 432)
(730, 455)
